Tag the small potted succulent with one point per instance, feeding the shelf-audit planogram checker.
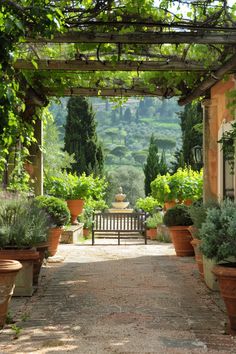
(22, 227)
(178, 220)
(218, 234)
(58, 216)
(152, 222)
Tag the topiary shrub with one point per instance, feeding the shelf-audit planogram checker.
(177, 216)
(55, 208)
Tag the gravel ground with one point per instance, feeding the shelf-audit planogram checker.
(132, 298)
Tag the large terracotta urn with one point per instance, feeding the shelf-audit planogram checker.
(181, 239)
(76, 207)
(8, 272)
(226, 276)
(198, 255)
(24, 279)
(54, 239)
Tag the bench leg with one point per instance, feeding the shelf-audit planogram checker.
(118, 238)
(93, 238)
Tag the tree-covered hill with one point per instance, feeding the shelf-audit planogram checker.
(125, 129)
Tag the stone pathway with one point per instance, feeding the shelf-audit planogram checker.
(119, 299)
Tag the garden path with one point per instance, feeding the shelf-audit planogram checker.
(132, 298)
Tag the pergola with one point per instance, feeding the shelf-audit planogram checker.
(130, 55)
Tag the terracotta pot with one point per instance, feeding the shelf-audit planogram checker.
(181, 238)
(85, 232)
(188, 202)
(227, 281)
(24, 279)
(152, 234)
(198, 255)
(8, 272)
(54, 239)
(170, 204)
(76, 207)
(41, 249)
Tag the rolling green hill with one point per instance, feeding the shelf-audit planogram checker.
(125, 129)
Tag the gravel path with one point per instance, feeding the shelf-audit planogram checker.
(119, 299)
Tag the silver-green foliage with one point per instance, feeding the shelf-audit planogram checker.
(218, 232)
(22, 224)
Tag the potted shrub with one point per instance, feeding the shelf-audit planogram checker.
(178, 220)
(163, 191)
(75, 190)
(198, 213)
(148, 204)
(151, 224)
(218, 234)
(8, 272)
(58, 215)
(22, 227)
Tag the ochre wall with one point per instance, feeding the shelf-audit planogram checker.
(217, 114)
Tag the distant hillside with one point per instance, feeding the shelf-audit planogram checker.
(125, 130)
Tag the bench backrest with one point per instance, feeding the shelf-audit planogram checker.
(119, 222)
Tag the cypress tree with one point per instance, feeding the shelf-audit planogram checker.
(152, 167)
(81, 138)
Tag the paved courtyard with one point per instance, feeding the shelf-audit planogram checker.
(132, 298)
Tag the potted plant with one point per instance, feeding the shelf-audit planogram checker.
(22, 227)
(75, 190)
(87, 219)
(187, 185)
(148, 204)
(218, 234)
(163, 191)
(198, 213)
(151, 224)
(178, 220)
(58, 215)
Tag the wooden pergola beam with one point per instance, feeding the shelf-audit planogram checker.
(96, 65)
(139, 38)
(216, 76)
(106, 92)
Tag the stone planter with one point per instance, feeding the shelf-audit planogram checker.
(41, 249)
(24, 279)
(226, 275)
(181, 238)
(209, 277)
(76, 207)
(8, 273)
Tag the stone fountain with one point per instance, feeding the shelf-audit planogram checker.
(120, 206)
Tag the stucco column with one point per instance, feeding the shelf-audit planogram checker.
(36, 158)
(210, 150)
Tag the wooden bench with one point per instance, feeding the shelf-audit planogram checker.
(119, 223)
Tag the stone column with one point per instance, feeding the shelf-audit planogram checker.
(210, 150)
